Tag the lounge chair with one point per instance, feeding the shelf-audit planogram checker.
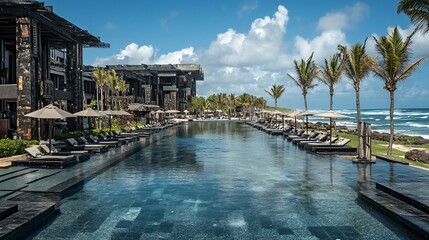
(81, 155)
(74, 145)
(326, 147)
(311, 137)
(323, 138)
(329, 140)
(84, 141)
(35, 158)
(299, 134)
(106, 137)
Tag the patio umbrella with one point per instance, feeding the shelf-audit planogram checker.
(306, 114)
(293, 114)
(88, 113)
(275, 113)
(186, 113)
(264, 111)
(123, 113)
(159, 112)
(331, 115)
(50, 112)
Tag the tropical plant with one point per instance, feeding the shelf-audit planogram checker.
(93, 105)
(100, 81)
(358, 65)
(418, 11)
(394, 65)
(112, 83)
(331, 74)
(276, 92)
(122, 88)
(231, 103)
(307, 71)
(197, 104)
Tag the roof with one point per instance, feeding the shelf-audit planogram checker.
(46, 16)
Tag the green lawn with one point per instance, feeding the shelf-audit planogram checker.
(380, 148)
(285, 110)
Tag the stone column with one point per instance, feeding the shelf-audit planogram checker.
(26, 49)
(147, 94)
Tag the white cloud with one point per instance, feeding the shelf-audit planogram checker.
(135, 54)
(344, 18)
(131, 54)
(262, 45)
(184, 55)
(323, 45)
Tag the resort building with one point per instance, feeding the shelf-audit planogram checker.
(170, 86)
(41, 63)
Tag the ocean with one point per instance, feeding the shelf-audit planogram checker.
(409, 121)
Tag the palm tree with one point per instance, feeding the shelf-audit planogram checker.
(244, 101)
(307, 71)
(112, 83)
(394, 66)
(331, 74)
(418, 11)
(122, 87)
(358, 65)
(100, 80)
(276, 92)
(231, 103)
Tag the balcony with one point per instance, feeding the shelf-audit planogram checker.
(170, 88)
(8, 91)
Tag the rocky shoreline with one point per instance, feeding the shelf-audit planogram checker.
(406, 139)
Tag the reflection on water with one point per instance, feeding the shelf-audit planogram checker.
(226, 180)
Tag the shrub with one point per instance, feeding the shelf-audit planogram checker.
(10, 147)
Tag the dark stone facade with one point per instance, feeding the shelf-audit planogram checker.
(26, 71)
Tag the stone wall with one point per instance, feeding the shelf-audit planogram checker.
(170, 101)
(147, 94)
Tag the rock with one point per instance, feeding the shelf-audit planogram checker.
(418, 156)
(420, 141)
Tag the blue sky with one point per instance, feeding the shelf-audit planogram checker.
(247, 46)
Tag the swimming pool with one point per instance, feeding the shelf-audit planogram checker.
(226, 180)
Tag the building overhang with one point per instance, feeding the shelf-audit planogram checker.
(53, 26)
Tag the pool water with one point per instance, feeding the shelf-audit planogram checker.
(226, 180)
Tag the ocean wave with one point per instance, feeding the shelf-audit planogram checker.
(417, 125)
(380, 112)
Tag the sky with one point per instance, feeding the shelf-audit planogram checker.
(249, 45)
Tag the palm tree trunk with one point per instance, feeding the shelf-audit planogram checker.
(275, 103)
(101, 100)
(358, 123)
(305, 101)
(392, 127)
(98, 104)
(331, 99)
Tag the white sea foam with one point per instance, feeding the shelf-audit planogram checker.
(418, 125)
